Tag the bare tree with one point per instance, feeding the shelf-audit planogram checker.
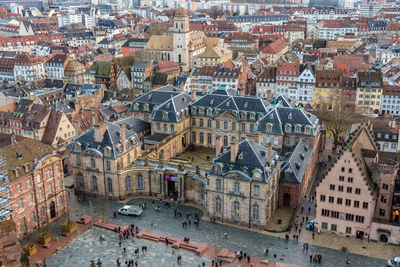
(337, 122)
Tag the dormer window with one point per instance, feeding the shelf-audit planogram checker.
(307, 130)
(297, 128)
(288, 128)
(193, 111)
(243, 116)
(240, 156)
(269, 127)
(77, 147)
(146, 107)
(271, 117)
(290, 116)
(107, 151)
(209, 112)
(252, 116)
(201, 111)
(165, 116)
(136, 106)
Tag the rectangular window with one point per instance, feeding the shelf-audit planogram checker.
(28, 183)
(237, 188)
(40, 193)
(194, 137)
(209, 139)
(193, 123)
(331, 199)
(209, 123)
(365, 205)
(385, 187)
(201, 138)
(201, 122)
(356, 204)
(341, 178)
(225, 125)
(322, 198)
(358, 191)
(324, 225)
(359, 219)
(233, 126)
(348, 230)
(33, 217)
(349, 189)
(348, 202)
(340, 188)
(217, 125)
(108, 165)
(243, 127)
(256, 190)
(383, 199)
(333, 227)
(350, 179)
(218, 184)
(335, 214)
(350, 170)
(342, 169)
(349, 217)
(339, 201)
(332, 187)
(325, 212)
(21, 203)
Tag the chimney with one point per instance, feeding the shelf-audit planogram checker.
(182, 86)
(269, 95)
(76, 125)
(93, 118)
(234, 150)
(193, 95)
(123, 136)
(218, 146)
(99, 130)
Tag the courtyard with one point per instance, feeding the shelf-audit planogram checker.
(213, 234)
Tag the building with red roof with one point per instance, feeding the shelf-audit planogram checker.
(275, 50)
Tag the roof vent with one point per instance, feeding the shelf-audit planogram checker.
(305, 148)
(302, 156)
(262, 153)
(290, 116)
(297, 165)
(246, 104)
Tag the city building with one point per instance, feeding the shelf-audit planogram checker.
(222, 114)
(352, 203)
(275, 50)
(287, 75)
(36, 181)
(266, 83)
(387, 134)
(133, 46)
(390, 100)
(306, 86)
(328, 90)
(55, 67)
(140, 71)
(243, 183)
(28, 68)
(369, 92)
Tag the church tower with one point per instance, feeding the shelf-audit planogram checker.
(181, 38)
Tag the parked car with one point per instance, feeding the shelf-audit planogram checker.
(394, 262)
(130, 210)
(310, 225)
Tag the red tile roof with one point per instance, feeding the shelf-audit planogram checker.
(275, 47)
(391, 90)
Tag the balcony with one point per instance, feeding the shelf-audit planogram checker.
(236, 193)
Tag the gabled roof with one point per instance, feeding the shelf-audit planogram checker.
(295, 163)
(174, 107)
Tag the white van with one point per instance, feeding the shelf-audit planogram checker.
(130, 210)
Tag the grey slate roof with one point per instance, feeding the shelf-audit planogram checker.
(134, 124)
(279, 117)
(174, 107)
(111, 139)
(218, 100)
(250, 156)
(295, 163)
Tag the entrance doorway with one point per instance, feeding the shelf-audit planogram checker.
(383, 238)
(172, 188)
(360, 234)
(286, 199)
(52, 210)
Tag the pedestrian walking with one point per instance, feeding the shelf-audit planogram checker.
(313, 235)
(299, 231)
(248, 259)
(311, 258)
(266, 252)
(309, 210)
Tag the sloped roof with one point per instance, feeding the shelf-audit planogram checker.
(160, 42)
(295, 163)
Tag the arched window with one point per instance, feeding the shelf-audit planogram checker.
(109, 186)
(140, 185)
(94, 183)
(256, 211)
(218, 204)
(128, 183)
(79, 180)
(236, 209)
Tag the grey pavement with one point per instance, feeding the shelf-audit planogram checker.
(88, 247)
(253, 243)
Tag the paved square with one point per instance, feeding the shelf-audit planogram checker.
(88, 247)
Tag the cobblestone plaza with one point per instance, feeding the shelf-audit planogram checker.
(253, 243)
